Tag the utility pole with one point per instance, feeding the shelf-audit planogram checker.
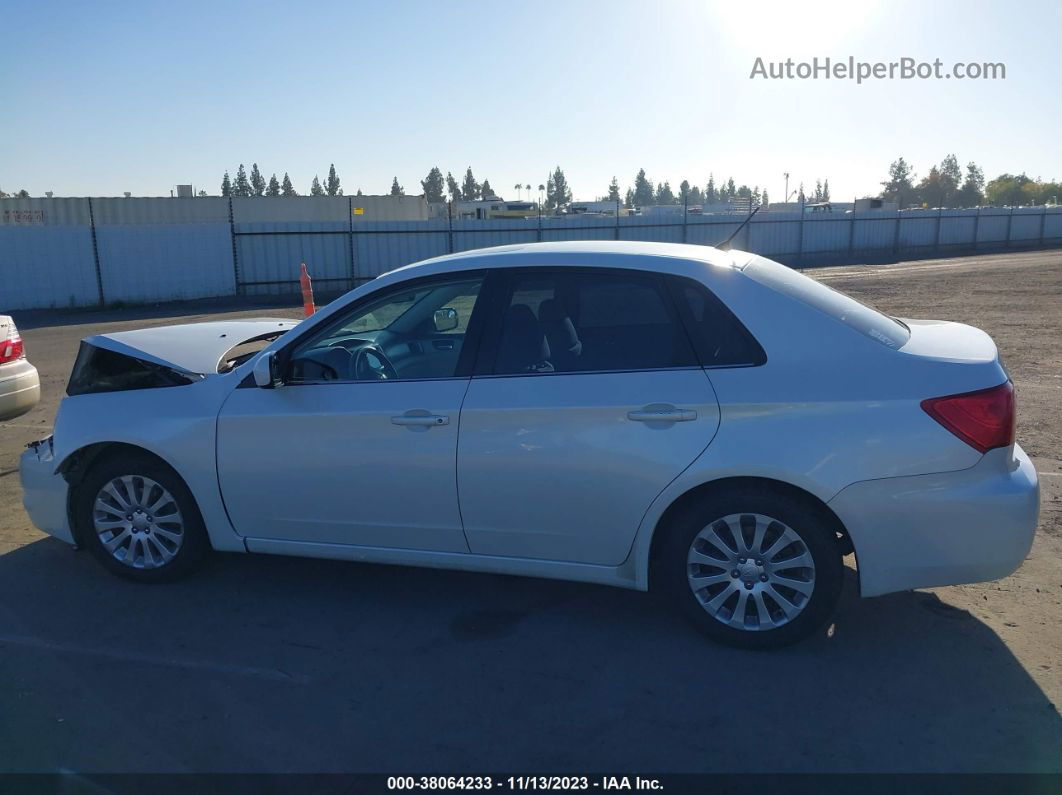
(786, 175)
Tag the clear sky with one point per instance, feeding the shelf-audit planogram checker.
(97, 98)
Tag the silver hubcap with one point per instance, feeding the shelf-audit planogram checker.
(750, 571)
(138, 522)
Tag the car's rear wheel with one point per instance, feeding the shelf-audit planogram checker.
(753, 569)
(139, 519)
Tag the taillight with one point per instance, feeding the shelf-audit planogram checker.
(11, 348)
(983, 419)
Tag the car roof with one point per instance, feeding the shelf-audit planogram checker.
(574, 254)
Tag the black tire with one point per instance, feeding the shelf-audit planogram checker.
(811, 524)
(194, 544)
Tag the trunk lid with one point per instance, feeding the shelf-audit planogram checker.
(949, 342)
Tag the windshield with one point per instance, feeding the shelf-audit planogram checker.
(886, 330)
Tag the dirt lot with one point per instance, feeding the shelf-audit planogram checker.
(271, 664)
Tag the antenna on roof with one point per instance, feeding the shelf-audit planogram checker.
(725, 245)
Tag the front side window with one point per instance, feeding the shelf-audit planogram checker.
(580, 321)
(405, 333)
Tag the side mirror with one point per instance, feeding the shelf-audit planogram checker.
(445, 319)
(264, 375)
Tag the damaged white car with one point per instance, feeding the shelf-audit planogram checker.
(708, 422)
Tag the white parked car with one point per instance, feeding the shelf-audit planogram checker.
(709, 423)
(20, 386)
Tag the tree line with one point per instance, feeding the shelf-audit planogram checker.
(256, 185)
(946, 185)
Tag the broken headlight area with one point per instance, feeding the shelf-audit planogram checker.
(101, 370)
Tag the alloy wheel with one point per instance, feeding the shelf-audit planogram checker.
(750, 572)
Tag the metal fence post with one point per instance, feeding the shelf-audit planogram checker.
(851, 233)
(96, 253)
(1043, 220)
(350, 226)
(450, 224)
(686, 217)
(616, 235)
(896, 236)
(1010, 223)
(800, 236)
(235, 255)
(936, 238)
(538, 236)
(977, 227)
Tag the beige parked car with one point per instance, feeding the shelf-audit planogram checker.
(20, 387)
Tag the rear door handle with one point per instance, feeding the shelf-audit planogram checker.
(662, 415)
(421, 420)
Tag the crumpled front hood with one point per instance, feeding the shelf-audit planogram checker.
(190, 347)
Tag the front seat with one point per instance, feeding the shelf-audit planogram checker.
(563, 339)
(523, 347)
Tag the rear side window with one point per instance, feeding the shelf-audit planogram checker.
(577, 322)
(719, 337)
(101, 370)
(886, 330)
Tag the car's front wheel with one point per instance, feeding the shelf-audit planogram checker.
(753, 569)
(139, 519)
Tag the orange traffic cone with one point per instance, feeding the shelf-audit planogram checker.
(307, 292)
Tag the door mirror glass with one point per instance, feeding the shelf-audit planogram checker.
(264, 370)
(446, 319)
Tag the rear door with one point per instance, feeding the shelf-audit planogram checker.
(588, 400)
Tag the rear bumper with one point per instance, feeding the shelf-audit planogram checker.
(973, 525)
(20, 389)
(44, 492)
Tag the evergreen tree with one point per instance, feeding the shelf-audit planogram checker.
(469, 187)
(558, 194)
(930, 191)
(664, 194)
(711, 195)
(684, 192)
(286, 188)
(396, 189)
(274, 187)
(818, 190)
(433, 185)
(628, 200)
(613, 191)
(899, 186)
(226, 185)
(764, 200)
(950, 180)
(731, 191)
(332, 186)
(315, 187)
(825, 190)
(452, 187)
(972, 192)
(643, 190)
(696, 195)
(258, 183)
(485, 190)
(241, 187)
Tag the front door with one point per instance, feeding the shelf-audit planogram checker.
(358, 445)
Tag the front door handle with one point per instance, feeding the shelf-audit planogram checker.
(421, 420)
(662, 414)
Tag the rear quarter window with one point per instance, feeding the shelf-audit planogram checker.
(860, 317)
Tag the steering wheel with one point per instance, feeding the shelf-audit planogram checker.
(371, 364)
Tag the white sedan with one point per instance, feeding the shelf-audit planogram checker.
(709, 423)
(20, 386)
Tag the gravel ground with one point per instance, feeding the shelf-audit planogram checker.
(272, 664)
